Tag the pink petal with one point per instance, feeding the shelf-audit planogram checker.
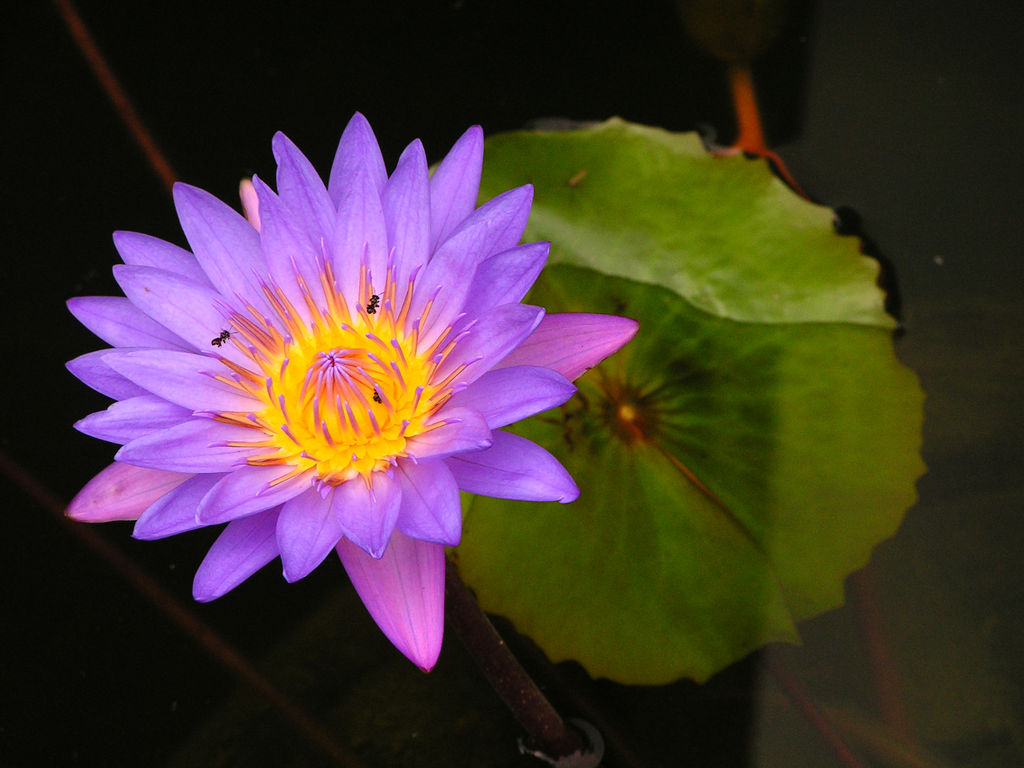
(307, 530)
(122, 492)
(404, 593)
(243, 548)
(572, 343)
(250, 203)
(513, 468)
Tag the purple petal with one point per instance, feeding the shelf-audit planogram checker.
(513, 468)
(302, 189)
(226, 246)
(198, 445)
(406, 202)
(504, 216)
(292, 250)
(183, 378)
(92, 370)
(360, 233)
(431, 510)
(243, 548)
(506, 277)
(191, 311)
(368, 515)
(248, 490)
(461, 430)
(507, 395)
(121, 492)
(358, 152)
(307, 530)
(490, 339)
(175, 512)
(572, 343)
(129, 419)
(455, 185)
(147, 251)
(120, 323)
(445, 282)
(404, 593)
(493, 228)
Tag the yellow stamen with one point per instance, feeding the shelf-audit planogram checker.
(343, 391)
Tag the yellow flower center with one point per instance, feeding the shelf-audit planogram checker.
(344, 390)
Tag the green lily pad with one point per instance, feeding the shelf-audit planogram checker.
(654, 206)
(733, 469)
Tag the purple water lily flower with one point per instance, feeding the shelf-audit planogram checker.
(329, 371)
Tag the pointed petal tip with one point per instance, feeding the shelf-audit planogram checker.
(121, 492)
(403, 592)
(357, 119)
(570, 495)
(203, 593)
(181, 190)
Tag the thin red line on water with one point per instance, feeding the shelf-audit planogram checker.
(884, 669)
(112, 86)
(173, 609)
(180, 615)
(803, 701)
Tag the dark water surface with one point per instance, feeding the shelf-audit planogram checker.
(911, 114)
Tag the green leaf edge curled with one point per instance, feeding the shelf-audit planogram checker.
(586, 182)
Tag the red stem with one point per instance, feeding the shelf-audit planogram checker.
(112, 86)
(505, 674)
(750, 138)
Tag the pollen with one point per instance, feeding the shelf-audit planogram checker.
(344, 386)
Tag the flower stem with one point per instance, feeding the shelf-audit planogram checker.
(516, 688)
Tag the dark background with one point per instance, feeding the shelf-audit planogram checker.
(911, 114)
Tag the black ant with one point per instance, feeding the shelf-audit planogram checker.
(371, 308)
(219, 341)
(376, 397)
